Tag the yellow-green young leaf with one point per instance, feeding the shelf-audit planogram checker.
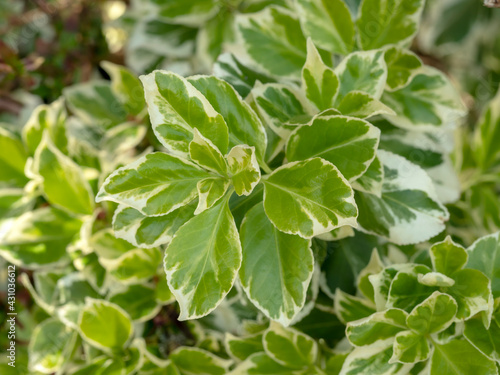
(328, 23)
(487, 340)
(13, 158)
(472, 291)
(372, 180)
(362, 105)
(244, 169)
(135, 265)
(484, 255)
(281, 107)
(51, 117)
(487, 135)
(51, 345)
(276, 268)
(63, 183)
(348, 143)
(105, 325)
(388, 22)
(176, 108)
(308, 198)
(405, 291)
(243, 347)
(373, 360)
(435, 279)
(373, 267)
(146, 231)
(195, 361)
(126, 87)
(261, 363)
(448, 257)
(407, 210)
(428, 102)
(362, 71)
(155, 184)
(433, 315)
(410, 347)
(210, 190)
(243, 123)
(350, 308)
(319, 82)
(122, 138)
(459, 357)
(402, 65)
(204, 153)
(273, 40)
(137, 300)
(290, 347)
(377, 327)
(39, 238)
(202, 261)
(95, 104)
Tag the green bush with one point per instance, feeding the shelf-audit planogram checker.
(265, 187)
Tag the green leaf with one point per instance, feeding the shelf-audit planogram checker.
(472, 291)
(276, 268)
(485, 340)
(362, 105)
(348, 143)
(290, 347)
(244, 169)
(373, 360)
(209, 250)
(210, 191)
(191, 361)
(39, 238)
(155, 184)
(204, 153)
(373, 267)
(273, 40)
(428, 102)
(433, 315)
(51, 117)
(138, 301)
(448, 257)
(13, 158)
(105, 325)
(319, 82)
(362, 71)
(280, 106)
(243, 347)
(122, 138)
(241, 77)
(50, 346)
(459, 357)
(406, 291)
(127, 87)
(402, 65)
(484, 255)
(388, 22)
(146, 231)
(296, 203)
(95, 104)
(377, 327)
(63, 183)
(435, 279)
(190, 12)
(487, 135)
(350, 308)
(328, 23)
(410, 347)
(176, 108)
(408, 210)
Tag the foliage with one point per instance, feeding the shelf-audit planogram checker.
(302, 210)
